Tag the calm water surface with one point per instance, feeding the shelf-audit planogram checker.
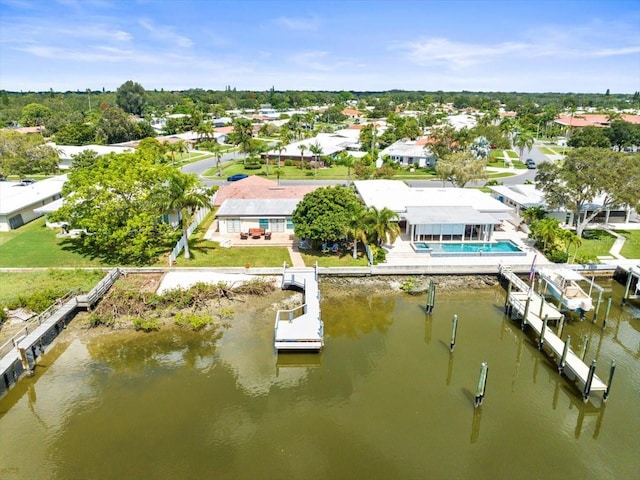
(385, 399)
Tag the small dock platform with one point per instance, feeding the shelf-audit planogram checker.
(523, 302)
(300, 328)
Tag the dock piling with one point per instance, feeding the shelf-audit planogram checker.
(606, 313)
(612, 370)
(506, 300)
(544, 328)
(585, 346)
(526, 313)
(587, 385)
(454, 331)
(626, 288)
(431, 297)
(565, 351)
(482, 385)
(560, 326)
(598, 302)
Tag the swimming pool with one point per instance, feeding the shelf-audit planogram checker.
(501, 247)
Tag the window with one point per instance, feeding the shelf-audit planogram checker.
(277, 224)
(290, 225)
(16, 221)
(233, 225)
(264, 223)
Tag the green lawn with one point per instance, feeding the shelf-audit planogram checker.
(343, 259)
(547, 151)
(205, 253)
(598, 244)
(35, 245)
(512, 154)
(15, 284)
(631, 248)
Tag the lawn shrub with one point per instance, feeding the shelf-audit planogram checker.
(194, 320)
(146, 324)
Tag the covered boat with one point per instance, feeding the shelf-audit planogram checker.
(562, 283)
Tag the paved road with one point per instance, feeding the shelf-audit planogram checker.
(201, 166)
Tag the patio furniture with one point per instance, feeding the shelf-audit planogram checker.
(244, 236)
(256, 232)
(267, 235)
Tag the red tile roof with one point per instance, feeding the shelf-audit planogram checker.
(257, 187)
(352, 112)
(592, 119)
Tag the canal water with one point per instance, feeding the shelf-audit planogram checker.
(385, 399)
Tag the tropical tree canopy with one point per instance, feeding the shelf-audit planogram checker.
(115, 199)
(324, 214)
(131, 97)
(26, 155)
(460, 168)
(585, 175)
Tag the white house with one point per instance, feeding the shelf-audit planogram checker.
(67, 152)
(521, 197)
(409, 153)
(437, 214)
(18, 200)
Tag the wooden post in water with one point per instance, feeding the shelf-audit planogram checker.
(541, 306)
(542, 331)
(431, 297)
(482, 385)
(627, 287)
(587, 385)
(611, 372)
(25, 361)
(454, 331)
(585, 346)
(598, 302)
(526, 313)
(565, 350)
(560, 326)
(506, 300)
(606, 313)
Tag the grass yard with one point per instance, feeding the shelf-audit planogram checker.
(631, 248)
(205, 253)
(16, 284)
(343, 259)
(35, 245)
(598, 244)
(512, 154)
(547, 151)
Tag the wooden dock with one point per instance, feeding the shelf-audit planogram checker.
(523, 302)
(300, 328)
(19, 355)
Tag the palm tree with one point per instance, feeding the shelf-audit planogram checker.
(523, 139)
(570, 238)
(302, 147)
(172, 149)
(278, 172)
(348, 161)
(216, 150)
(383, 225)
(183, 193)
(316, 149)
(279, 147)
(204, 131)
(181, 147)
(357, 228)
(546, 230)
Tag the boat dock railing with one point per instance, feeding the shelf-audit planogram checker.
(19, 354)
(536, 312)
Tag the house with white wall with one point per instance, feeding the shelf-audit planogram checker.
(409, 153)
(18, 200)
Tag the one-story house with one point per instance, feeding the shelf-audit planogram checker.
(67, 152)
(521, 197)
(409, 153)
(256, 202)
(437, 214)
(19, 200)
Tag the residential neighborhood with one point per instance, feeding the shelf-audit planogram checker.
(320, 240)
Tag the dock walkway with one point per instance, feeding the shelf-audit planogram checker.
(533, 309)
(19, 354)
(300, 328)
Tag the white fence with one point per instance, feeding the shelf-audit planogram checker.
(198, 217)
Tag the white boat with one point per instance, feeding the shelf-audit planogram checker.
(562, 283)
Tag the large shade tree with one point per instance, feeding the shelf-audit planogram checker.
(460, 168)
(115, 199)
(585, 175)
(324, 214)
(131, 97)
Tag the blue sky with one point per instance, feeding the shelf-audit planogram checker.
(532, 46)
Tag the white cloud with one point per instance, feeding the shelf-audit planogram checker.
(304, 24)
(165, 34)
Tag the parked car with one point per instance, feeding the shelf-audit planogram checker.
(236, 177)
(27, 181)
(530, 163)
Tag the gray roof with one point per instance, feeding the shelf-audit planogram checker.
(247, 207)
(448, 215)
